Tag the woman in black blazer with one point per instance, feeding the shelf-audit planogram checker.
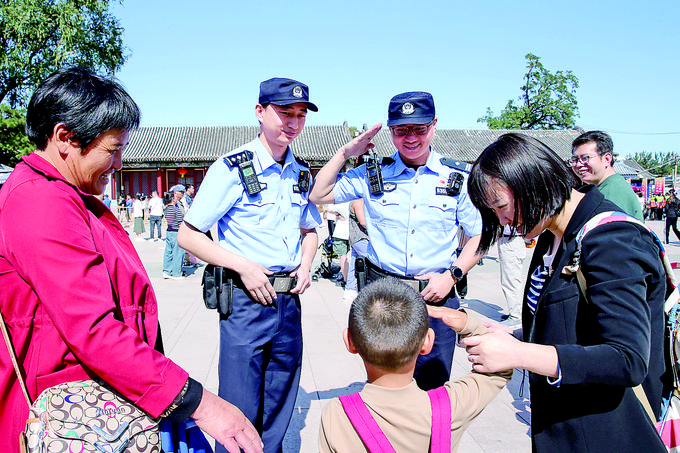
(583, 357)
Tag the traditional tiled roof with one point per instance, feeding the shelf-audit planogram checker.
(467, 144)
(4, 173)
(317, 144)
(641, 172)
(202, 145)
(625, 170)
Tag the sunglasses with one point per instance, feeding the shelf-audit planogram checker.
(420, 129)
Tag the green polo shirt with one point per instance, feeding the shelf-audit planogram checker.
(617, 190)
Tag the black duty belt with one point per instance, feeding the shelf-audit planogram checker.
(375, 273)
(282, 282)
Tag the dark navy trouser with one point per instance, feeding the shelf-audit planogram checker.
(434, 369)
(260, 361)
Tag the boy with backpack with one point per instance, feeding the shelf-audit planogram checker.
(389, 327)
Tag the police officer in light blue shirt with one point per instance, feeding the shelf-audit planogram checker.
(258, 197)
(413, 221)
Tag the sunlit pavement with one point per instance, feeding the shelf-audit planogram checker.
(190, 333)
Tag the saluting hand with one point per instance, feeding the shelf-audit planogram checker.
(361, 143)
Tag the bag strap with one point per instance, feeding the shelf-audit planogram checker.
(603, 219)
(366, 426)
(15, 362)
(374, 438)
(441, 420)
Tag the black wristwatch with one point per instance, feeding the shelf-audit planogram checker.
(456, 272)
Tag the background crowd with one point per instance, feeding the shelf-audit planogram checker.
(398, 238)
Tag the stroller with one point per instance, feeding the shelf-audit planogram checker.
(326, 269)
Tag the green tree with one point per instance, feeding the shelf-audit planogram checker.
(39, 36)
(659, 164)
(548, 101)
(13, 140)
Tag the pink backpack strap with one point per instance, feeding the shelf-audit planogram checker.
(365, 424)
(441, 420)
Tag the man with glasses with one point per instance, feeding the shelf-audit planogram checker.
(592, 159)
(413, 222)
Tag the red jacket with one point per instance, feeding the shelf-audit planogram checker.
(76, 298)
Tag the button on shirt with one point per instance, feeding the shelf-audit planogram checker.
(265, 227)
(412, 228)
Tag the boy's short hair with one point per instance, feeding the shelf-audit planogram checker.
(388, 323)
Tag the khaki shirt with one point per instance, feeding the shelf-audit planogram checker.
(405, 415)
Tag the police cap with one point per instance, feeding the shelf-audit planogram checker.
(281, 91)
(412, 107)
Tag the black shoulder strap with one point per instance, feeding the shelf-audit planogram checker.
(236, 158)
(456, 164)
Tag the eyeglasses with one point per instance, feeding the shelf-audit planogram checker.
(582, 159)
(401, 131)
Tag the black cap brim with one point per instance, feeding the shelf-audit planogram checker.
(310, 105)
(402, 121)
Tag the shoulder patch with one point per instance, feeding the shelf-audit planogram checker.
(456, 164)
(236, 158)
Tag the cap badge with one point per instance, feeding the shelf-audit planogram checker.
(407, 109)
(297, 91)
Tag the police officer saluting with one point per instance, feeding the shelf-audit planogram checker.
(412, 216)
(257, 195)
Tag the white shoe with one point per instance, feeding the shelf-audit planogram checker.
(349, 295)
(166, 275)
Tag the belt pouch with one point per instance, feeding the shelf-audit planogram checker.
(360, 272)
(217, 289)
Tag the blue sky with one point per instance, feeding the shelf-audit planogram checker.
(198, 63)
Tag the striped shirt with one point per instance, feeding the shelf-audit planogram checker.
(540, 276)
(174, 216)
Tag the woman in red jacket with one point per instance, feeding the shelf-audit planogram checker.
(73, 292)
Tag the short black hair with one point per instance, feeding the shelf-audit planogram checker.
(388, 322)
(539, 180)
(602, 140)
(87, 104)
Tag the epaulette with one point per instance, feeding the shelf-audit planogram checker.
(242, 156)
(301, 161)
(456, 164)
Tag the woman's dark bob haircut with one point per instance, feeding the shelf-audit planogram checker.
(539, 180)
(87, 104)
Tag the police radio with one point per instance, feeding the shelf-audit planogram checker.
(456, 178)
(455, 183)
(374, 173)
(303, 181)
(243, 161)
(246, 172)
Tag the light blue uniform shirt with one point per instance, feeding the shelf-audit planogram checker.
(265, 227)
(412, 228)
